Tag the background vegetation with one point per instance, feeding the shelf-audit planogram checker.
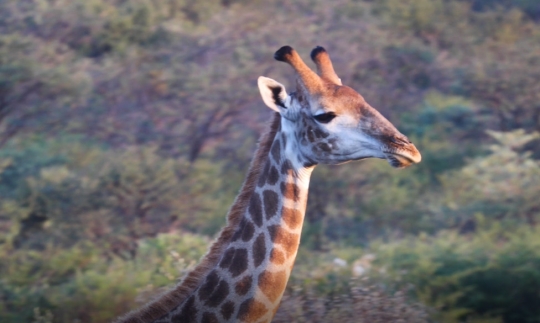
(126, 128)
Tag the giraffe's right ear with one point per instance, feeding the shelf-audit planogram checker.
(273, 94)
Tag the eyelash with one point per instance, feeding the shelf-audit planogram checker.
(325, 117)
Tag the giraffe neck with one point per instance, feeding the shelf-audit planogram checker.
(247, 283)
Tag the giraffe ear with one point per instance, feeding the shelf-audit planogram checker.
(273, 93)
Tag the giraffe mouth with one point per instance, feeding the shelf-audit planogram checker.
(398, 161)
(402, 159)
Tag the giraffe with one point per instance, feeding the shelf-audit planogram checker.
(244, 274)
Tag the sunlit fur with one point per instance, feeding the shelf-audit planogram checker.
(358, 131)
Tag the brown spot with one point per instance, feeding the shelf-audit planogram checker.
(255, 209)
(244, 229)
(219, 294)
(238, 233)
(259, 250)
(324, 147)
(257, 310)
(209, 285)
(273, 284)
(290, 191)
(227, 309)
(320, 134)
(239, 262)
(292, 217)
(286, 167)
(226, 260)
(270, 199)
(310, 135)
(188, 312)
(276, 151)
(273, 176)
(209, 318)
(277, 257)
(300, 99)
(289, 241)
(243, 285)
(251, 310)
(272, 230)
(247, 233)
(283, 140)
(244, 309)
(264, 174)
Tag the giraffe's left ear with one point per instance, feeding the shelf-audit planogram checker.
(273, 94)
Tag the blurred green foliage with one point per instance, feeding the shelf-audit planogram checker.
(492, 275)
(113, 197)
(126, 128)
(80, 282)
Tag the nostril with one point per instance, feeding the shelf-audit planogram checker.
(402, 140)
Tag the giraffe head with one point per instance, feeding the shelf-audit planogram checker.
(332, 123)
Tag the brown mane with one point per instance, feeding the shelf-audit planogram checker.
(174, 297)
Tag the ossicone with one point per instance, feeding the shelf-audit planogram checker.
(309, 79)
(283, 54)
(322, 60)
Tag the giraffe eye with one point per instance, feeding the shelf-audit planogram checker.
(325, 117)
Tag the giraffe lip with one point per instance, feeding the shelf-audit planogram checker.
(398, 161)
(403, 159)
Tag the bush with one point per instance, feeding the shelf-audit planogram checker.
(81, 284)
(493, 274)
(112, 197)
(503, 185)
